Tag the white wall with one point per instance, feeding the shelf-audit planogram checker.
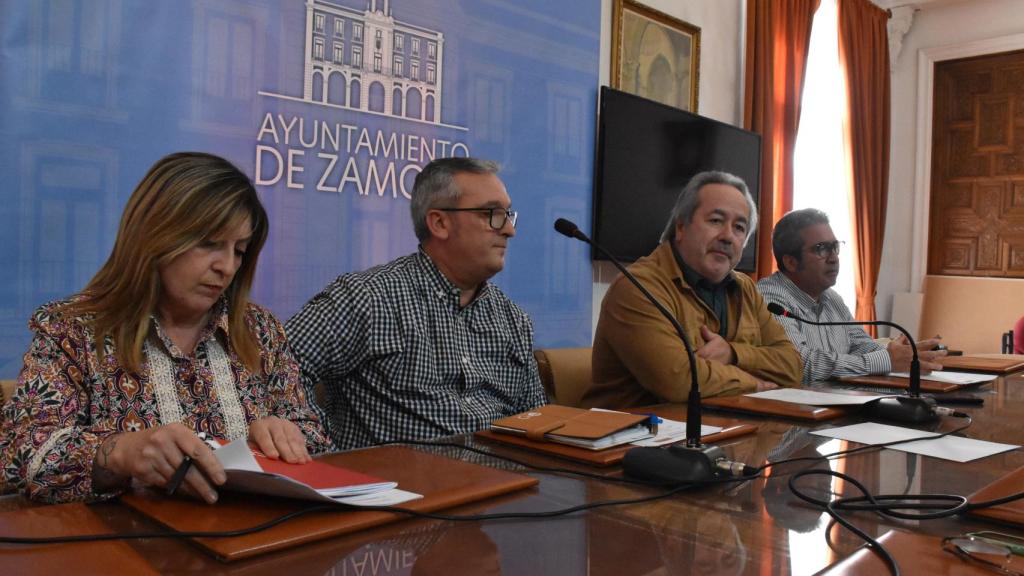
(939, 24)
(722, 33)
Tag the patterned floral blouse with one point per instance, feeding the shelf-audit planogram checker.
(70, 397)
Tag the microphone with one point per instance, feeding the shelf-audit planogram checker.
(680, 465)
(688, 464)
(909, 408)
(567, 228)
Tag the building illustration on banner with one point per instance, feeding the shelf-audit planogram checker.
(381, 69)
(369, 61)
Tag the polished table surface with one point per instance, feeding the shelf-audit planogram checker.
(754, 527)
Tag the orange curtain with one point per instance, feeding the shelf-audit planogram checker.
(778, 35)
(864, 58)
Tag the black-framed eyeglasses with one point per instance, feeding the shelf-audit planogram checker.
(995, 557)
(496, 217)
(826, 249)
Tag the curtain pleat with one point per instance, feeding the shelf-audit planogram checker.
(864, 60)
(778, 36)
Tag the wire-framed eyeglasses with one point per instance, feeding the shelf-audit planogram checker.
(496, 217)
(826, 249)
(982, 552)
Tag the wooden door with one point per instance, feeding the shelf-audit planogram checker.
(976, 226)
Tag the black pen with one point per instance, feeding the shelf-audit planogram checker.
(182, 470)
(179, 475)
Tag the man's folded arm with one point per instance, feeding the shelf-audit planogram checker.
(775, 359)
(649, 347)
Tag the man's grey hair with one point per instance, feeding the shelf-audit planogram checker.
(786, 237)
(689, 198)
(435, 188)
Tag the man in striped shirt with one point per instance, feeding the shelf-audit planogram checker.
(807, 254)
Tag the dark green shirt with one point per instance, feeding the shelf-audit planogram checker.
(712, 295)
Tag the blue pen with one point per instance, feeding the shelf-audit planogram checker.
(655, 420)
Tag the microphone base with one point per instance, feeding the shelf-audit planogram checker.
(916, 410)
(679, 464)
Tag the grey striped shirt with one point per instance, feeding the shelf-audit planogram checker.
(827, 351)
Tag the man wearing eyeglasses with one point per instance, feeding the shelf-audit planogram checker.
(807, 254)
(638, 359)
(425, 346)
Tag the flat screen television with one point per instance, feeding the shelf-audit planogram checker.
(646, 153)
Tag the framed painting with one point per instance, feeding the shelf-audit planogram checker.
(655, 55)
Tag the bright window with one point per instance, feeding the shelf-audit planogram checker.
(819, 165)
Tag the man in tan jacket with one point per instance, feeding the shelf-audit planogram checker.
(638, 358)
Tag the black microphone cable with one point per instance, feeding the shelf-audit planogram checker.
(901, 506)
(891, 505)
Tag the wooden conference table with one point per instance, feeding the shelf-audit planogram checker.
(756, 527)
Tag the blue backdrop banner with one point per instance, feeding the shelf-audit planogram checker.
(332, 107)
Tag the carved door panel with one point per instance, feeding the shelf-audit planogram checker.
(976, 226)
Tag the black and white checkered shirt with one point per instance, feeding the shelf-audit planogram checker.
(399, 359)
(827, 351)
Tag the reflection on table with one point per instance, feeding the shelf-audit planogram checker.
(754, 527)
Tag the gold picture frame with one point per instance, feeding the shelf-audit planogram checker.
(655, 55)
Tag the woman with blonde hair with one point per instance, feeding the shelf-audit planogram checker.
(162, 344)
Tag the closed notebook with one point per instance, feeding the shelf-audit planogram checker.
(591, 429)
(997, 364)
(1011, 512)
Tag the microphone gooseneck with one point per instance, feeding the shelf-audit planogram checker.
(910, 408)
(567, 228)
(690, 464)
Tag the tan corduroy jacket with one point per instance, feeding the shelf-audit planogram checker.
(638, 358)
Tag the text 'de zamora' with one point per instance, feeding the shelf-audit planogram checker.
(330, 173)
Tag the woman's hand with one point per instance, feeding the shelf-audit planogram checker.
(151, 457)
(279, 438)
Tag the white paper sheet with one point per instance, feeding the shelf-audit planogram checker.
(235, 455)
(954, 448)
(951, 377)
(815, 397)
(382, 498)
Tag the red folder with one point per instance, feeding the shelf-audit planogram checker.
(315, 474)
(249, 470)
